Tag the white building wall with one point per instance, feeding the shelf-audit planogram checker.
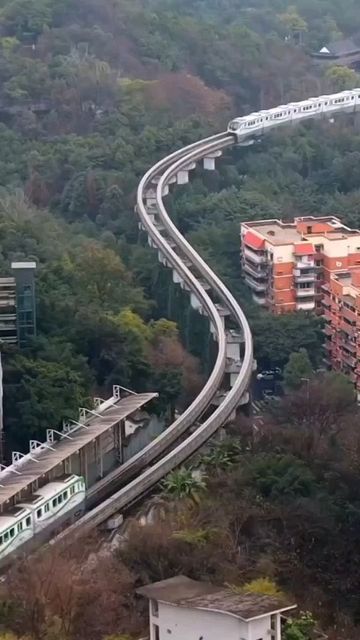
(260, 629)
(179, 623)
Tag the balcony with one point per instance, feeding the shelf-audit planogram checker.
(301, 276)
(304, 265)
(259, 257)
(258, 299)
(254, 285)
(347, 328)
(328, 330)
(304, 292)
(256, 272)
(349, 360)
(349, 314)
(349, 346)
(305, 306)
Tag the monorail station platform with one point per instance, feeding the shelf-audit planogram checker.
(90, 447)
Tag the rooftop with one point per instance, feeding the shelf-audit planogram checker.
(19, 476)
(184, 592)
(342, 47)
(277, 232)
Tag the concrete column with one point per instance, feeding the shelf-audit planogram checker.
(233, 350)
(83, 464)
(184, 286)
(99, 457)
(277, 626)
(182, 177)
(150, 197)
(195, 303)
(209, 161)
(177, 279)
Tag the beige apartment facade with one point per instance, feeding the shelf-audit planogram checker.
(286, 264)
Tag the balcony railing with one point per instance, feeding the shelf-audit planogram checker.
(256, 286)
(305, 292)
(349, 347)
(304, 265)
(258, 299)
(306, 277)
(349, 360)
(348, 328)
(305, 306)
(254, 271)
(257, 257)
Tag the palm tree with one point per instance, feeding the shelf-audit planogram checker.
(184, 483)
(222, 457)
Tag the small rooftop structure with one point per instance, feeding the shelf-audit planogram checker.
(194, 594)
(189, 609)
(342, 47)
(344, 51)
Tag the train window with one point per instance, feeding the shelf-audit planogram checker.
(72, 490)
(60, 499)
(65, 494)
(39, 513)
(20, 527)
(1, 540)
(47, 507)
(12, 532)
(6, 536)
(54, 502)
(28, 521)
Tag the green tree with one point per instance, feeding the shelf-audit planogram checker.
(38, 395)
(342, 78)
(302, 628)
(298, 370)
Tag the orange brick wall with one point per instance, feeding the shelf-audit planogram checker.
(283, 282)
(283, 269)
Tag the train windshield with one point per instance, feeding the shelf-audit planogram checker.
(234, 125)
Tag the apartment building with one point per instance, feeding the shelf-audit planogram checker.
(17, 304)
(341, 304)
(285, 264)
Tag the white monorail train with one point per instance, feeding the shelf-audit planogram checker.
(42, 514)
(259, 122)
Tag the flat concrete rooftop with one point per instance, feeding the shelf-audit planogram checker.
(277, 233)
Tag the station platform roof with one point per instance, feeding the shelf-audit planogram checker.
(20, 475)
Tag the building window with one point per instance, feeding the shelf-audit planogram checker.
(154, 608)
(319, 248)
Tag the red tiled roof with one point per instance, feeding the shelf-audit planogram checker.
(253, 241)
(304, 249)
